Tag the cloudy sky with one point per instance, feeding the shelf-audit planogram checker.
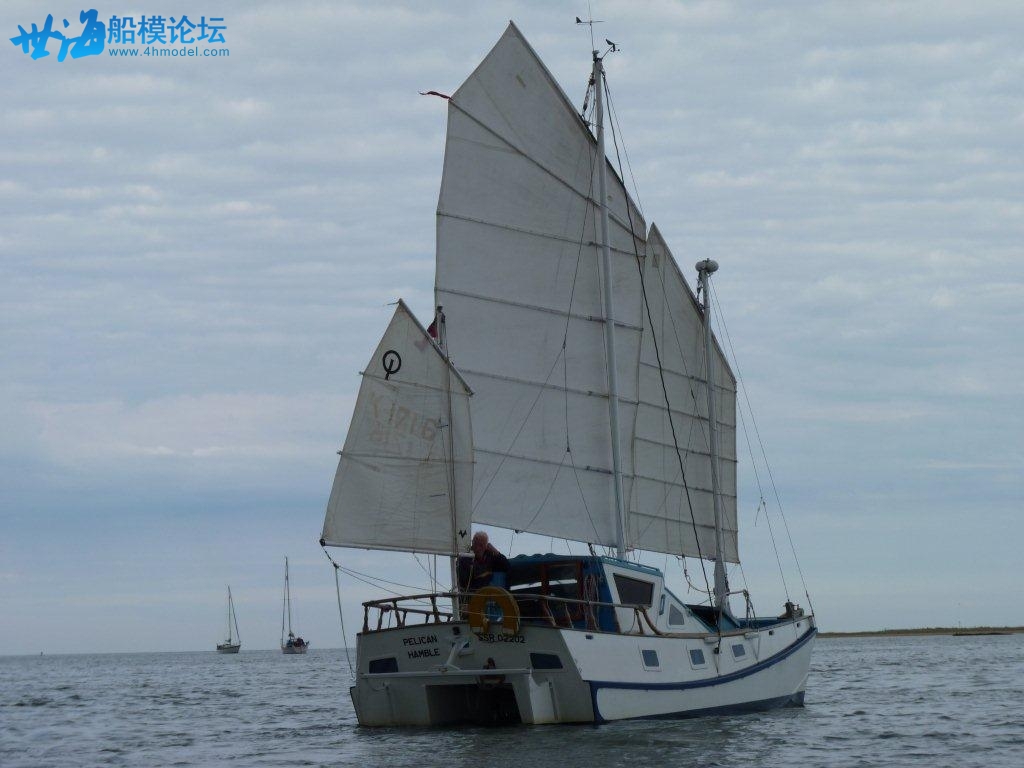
(196, 257)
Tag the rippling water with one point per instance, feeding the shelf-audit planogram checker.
(929, 701)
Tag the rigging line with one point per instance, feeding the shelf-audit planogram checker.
(615, 118)
(739, 379)
(583, 498)
(372, 579)
(695, 419)
(743, 577)
(341, 615)
(689, 438)
(746, 397)
(771, 535)
(371, 583)
(588, 198)
(657, 353)
(561, 355)
(686, 370)
(497, 471)
(426, 570)
(551, 487)
(572, 296)
(676, 519)
(592, 155)
(682, 359)
(760, 492)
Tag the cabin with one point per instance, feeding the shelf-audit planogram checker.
(604, 594)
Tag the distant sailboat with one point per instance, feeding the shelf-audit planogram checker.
(234, 642)
(291, 644)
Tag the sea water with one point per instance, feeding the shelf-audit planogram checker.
(893, 701)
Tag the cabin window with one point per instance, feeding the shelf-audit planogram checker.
(545, 661)
(382, 666)
(697, 657)
(739, 651)
(675, 616)
(650, 659)
(634, 591)
(558, 579)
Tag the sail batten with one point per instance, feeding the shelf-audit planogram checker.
(549, 462)
(546, 235)
(548, 386)
(589, 197)
(512, 303)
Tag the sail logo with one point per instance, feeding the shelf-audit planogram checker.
(393, 422)
(162, 35)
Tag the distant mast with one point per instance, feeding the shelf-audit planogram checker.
(287, 603)
(609, 308)
(705, 269)
(231, 614)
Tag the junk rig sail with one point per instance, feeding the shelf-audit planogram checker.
(576, 392)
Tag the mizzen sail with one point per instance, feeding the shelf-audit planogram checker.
(660, 517)
(404, 480)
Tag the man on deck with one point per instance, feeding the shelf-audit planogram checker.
(487, 566)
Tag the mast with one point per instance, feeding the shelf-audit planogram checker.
(609, 308)
(287, 597)
(705, 269)
(231, 617)
(442, 340)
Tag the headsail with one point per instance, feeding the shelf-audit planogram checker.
(518, 275)
(405, 478)
(660, 517)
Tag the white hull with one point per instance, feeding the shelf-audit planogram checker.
(438, 675)
(225, 648)
(294, 650)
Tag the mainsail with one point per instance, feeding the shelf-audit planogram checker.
(517, 255)
(405, 478)
(518, 274)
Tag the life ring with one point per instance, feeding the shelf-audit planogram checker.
(493, 605)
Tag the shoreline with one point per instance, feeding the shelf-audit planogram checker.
(958, 631)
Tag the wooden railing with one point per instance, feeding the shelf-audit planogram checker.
(389, 606)
(561, 613)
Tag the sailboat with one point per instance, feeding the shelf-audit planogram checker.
(234, 642)
(569, 386)
(291, 644)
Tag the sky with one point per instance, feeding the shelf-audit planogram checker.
(197, 257)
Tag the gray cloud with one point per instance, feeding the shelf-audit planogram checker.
(195, 258)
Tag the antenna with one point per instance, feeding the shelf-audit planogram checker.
(590, 23)
(612, 48)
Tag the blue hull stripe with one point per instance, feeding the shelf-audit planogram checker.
(793, 700)
(597, 685)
